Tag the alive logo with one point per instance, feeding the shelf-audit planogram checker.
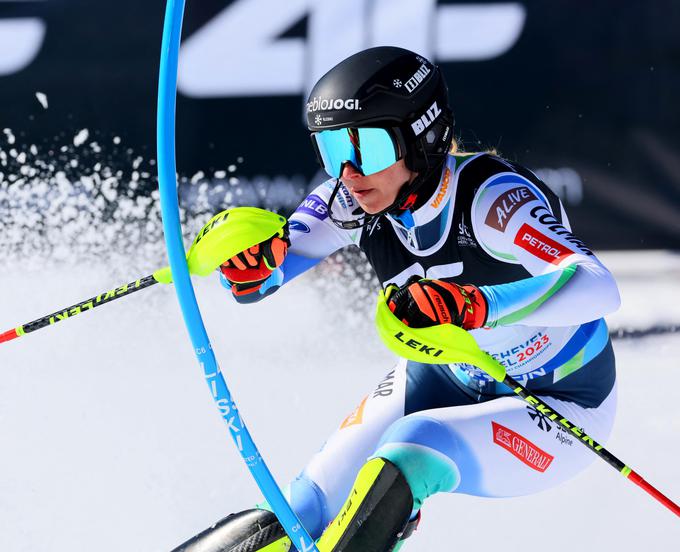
(520, 447)
(504, 208)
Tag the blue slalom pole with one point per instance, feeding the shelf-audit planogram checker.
(167, 181)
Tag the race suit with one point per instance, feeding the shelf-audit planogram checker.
(493, 224)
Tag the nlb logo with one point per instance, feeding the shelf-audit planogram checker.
(426, 119)
(315, 206)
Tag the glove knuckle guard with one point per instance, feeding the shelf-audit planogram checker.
(249, 269)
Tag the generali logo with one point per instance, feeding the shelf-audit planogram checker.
(443, 188)
(521, 448)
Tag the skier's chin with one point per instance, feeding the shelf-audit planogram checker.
(372, 202)
(371, 208)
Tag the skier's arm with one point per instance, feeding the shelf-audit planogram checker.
(312, 237)
(569, 286)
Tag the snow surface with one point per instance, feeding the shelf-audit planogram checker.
(110, 439)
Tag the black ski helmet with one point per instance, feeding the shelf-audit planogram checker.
(393, 88)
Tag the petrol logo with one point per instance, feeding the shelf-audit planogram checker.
(541, 246)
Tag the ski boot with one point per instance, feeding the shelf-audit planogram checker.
(376, 515)
(375, 518)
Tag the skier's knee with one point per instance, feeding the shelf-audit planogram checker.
(420, 447)
(308, 503)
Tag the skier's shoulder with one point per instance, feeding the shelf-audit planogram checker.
(486, 179)
(475, 169)
(507, 196)
(317, 202)
(313, 218)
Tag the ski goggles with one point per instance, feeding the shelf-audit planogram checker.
(370, 150)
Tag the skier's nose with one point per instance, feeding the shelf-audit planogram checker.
(350, 172)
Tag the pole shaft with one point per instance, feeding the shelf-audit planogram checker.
(588, 441)
(667, 502)
(82, 306)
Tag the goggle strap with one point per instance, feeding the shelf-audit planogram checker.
(345, 224)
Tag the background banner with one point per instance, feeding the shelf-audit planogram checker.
(585, 95)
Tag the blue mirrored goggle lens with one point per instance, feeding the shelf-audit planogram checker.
(370, 150)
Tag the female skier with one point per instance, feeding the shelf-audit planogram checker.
(465, 239)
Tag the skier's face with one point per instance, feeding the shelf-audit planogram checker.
(376, 191)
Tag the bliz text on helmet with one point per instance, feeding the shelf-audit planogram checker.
(422, 72)
(427, 119)
(326, 104)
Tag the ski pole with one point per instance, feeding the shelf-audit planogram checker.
(223, 236)
(593, 445)
(82, 306)
(448, 344)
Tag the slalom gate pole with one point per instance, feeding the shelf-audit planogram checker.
(83, 306)
(448, 344)
(167, 179)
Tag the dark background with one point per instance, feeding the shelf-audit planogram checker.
(589, 96)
